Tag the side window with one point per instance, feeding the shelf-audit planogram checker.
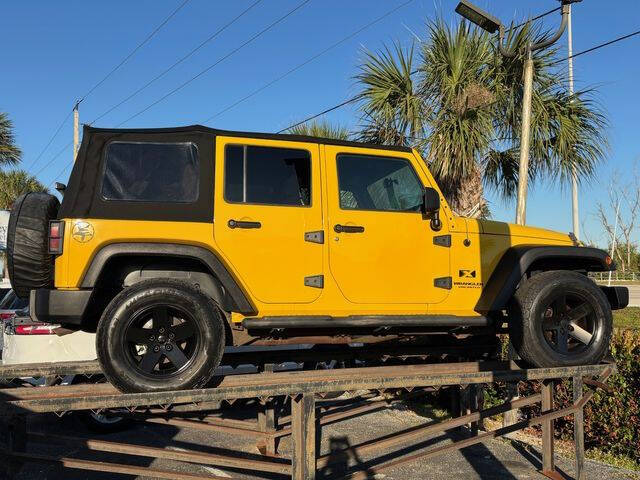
(378, 183)
(267, 175)
(151, 172)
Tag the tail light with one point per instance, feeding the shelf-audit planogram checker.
(36, 329)
(56, 237)
(4, 316)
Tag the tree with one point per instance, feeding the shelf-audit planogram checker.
(9, 153)
(461, 106)
(620, 216)
(321, 129)
(14, 183)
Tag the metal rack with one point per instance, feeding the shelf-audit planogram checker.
(302, 388)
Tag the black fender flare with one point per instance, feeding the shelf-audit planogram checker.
(239, 300)
(519, 259)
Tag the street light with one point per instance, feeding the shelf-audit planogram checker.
(478, 16)
(491, 24)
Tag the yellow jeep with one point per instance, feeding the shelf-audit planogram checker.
(174, 243)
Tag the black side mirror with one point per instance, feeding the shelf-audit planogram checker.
(431, 204)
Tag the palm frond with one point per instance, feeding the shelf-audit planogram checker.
(322, 129)
(13, 183)
(10, 154)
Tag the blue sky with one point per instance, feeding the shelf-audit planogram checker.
(56, 51)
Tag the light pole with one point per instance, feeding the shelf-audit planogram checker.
(491, 24)
(574, 174)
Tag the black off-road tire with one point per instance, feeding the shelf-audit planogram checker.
(29, 263)
(533, 303)
(117, 355)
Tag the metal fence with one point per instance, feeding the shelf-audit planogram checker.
(616, 276)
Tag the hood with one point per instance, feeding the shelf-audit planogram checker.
(491, 227)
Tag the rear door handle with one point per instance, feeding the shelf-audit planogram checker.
(240, 224)
(348, 228)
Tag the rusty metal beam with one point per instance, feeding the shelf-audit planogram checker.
(303, 413)
(421, 431)
(166, 453)
(202, 425)
(578, 429)
(53, 399)
(548, 464)
(484, 436)
(49, 369)
(114, 467)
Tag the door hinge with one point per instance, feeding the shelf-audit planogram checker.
(314, 237)
(315, 281)
(442, 240)
(443, 282)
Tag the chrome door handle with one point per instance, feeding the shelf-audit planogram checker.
(348, 228)
(240, 224)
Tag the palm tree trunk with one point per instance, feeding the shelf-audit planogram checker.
(466, 196)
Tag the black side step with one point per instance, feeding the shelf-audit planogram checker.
(363, 321)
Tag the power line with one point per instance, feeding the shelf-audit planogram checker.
(309, 60)
(133, 52)
(34, 162)
(163, 73)
(202, 72)
(534, 18)
(57, 177)
(346, 102)
(597, 47)
(44, 167)
(92, 89)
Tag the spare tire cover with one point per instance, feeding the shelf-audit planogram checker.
(28, 260)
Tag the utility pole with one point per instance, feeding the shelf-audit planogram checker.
(525, 136)
(574, 174)
(76, 130)
(491, 24)
(525, 140)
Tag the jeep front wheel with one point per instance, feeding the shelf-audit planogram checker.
(560, 318)
(160, 334)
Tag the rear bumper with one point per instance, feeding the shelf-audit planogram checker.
(618, 296)
(59, 306)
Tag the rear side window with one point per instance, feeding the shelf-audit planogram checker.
(151, 172)
(267, 175)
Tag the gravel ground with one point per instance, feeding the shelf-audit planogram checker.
(497, 459)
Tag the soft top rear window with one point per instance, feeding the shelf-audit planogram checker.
(151, 172)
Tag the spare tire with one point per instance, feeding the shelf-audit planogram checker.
(28, 260)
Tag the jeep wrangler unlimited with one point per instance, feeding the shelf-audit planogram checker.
(173, 243)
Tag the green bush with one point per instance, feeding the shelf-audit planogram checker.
(611, 420)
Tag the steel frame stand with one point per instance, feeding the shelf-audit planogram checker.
(305, 419)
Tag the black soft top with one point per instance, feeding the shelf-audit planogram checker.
(82, 198)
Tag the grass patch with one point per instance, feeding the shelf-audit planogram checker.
(627, 318)
(619, 461)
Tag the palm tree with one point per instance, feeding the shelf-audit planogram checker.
(320, 129)
(9, 153)
(461, 107)
(14, 183)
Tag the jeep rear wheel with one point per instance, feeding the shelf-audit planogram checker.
(560, 318)
(160, 335)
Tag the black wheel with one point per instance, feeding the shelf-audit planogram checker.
(560, 318)
(160, 335)
(103, 423)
